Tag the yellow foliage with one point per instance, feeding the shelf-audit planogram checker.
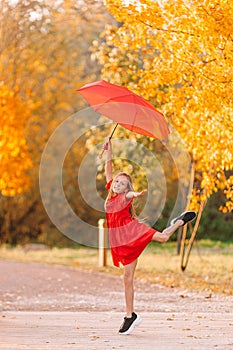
(14, 156)
(178, 54)
(43, 62)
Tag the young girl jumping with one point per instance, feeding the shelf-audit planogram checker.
(127, 236)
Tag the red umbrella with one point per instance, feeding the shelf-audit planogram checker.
(126, 108)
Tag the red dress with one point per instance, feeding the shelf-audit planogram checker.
(127, 236)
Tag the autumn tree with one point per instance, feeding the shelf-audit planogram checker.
(178, 54)
(44, 58)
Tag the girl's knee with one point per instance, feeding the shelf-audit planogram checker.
(160, 237)
(129, 272)
(128, 277)
(165, 237)
(128, 283)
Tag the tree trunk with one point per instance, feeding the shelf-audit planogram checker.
(185, 257)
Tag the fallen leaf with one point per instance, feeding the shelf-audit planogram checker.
(94, 337)
(208, 296)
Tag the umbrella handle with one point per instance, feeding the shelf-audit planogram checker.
(102, 152)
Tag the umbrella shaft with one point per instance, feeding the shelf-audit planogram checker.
(113, 132)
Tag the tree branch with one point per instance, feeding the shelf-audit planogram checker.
(169, 30)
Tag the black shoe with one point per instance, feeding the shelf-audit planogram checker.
(187, 216)
(129, 323)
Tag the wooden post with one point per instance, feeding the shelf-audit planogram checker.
(102, 244)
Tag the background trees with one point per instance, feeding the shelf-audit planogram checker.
(179, 55)
(44, 58)
(180, 59)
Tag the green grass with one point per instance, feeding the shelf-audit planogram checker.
(210, 267)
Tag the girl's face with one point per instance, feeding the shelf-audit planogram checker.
(120, 184)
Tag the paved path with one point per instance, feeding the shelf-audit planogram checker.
(58, 307)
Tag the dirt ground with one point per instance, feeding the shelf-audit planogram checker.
(60, 307)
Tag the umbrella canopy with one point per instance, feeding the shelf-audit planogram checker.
(125, 108)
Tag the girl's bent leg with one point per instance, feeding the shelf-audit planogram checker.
(129, 287)
(167, 232)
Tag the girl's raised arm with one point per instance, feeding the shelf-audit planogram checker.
(108, 161)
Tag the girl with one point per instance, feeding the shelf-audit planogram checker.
(127, 236)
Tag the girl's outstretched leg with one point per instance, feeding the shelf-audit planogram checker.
(181, 220)
(167, 232)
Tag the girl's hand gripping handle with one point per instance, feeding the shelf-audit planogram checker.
(105, 148)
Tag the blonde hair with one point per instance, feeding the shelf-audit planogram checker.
(129, 188)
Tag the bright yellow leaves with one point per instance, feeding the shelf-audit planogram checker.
(14, 156)
(44, 59)
(178, 54)
(228, 192)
